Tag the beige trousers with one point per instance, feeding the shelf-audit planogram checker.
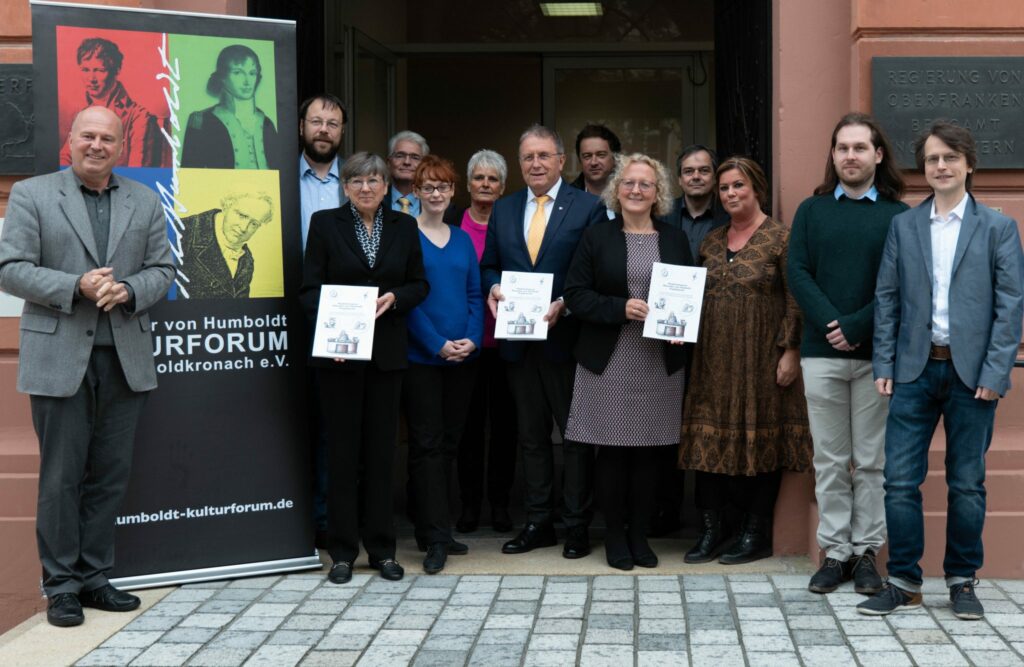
(847, 418)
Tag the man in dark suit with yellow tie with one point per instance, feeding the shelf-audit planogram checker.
(536, 230)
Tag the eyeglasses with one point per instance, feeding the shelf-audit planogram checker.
(317, 123)
(690, 171)
(444, 188)
(358, 183)
(949, 158)
(645, 186)
(537, 157)
(402, 157)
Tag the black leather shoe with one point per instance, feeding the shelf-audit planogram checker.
(389, 569)
(64, 610)
(108, 598)
(454, 548)
(754, 542)
(711, 539)
(437, 554)
(469, 520)
(501, 521)
(577, 543)
(341, 573)
(533, 536)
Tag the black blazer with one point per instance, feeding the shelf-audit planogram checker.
(596, 291)
(334, 257)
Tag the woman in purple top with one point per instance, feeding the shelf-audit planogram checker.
(491, 398)
(445, 334)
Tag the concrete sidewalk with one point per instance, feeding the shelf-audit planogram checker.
(576, 612)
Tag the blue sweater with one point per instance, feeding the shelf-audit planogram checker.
(454, 308)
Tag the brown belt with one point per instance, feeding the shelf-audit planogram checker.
(940, 352)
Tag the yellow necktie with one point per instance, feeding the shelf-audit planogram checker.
(535, 234)
(404, 203)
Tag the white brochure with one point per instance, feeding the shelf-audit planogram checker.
(527, 300)
(675, 301)
(344, 322)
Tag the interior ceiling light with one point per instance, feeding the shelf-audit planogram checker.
(572, 8)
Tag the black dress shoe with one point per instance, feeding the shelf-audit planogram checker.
(64, 610)
(389, 569)
(108, 598)
(501, 521)
(623, 563)
(437, 554)
(341, 573)
(577, 543)
(533, 536)
(454, 548)
(468, 521)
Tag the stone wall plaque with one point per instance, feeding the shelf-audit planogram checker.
(985, 95)
(17, 122)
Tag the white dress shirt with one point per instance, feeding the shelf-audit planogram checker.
(945, 232)
(531, 206)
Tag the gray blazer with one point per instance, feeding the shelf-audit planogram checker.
(47, 245)
(986, 298)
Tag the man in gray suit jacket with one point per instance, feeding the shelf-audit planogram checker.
(948, 309)
(88, 252)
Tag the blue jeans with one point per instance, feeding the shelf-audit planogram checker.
(914, 413)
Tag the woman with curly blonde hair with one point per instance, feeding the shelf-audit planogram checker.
(628, 388)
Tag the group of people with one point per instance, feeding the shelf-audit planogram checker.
(835, 345)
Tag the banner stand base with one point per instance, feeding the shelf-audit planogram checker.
(311, 562)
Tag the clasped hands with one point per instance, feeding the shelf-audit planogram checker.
(100, 287)
(457, 350)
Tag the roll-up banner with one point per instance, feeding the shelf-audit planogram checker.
(220, 480)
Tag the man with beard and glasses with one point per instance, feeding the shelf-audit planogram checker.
(322, 121)
(835, 249)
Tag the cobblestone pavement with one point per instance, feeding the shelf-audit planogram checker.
(490, 620)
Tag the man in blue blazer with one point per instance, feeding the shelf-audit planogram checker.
(948, 309)
(537, 229)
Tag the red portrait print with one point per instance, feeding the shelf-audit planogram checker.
(117, 69)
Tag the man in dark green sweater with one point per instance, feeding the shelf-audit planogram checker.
(835, 248)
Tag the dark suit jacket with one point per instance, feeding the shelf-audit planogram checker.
(206, 273)
(334, 257)
(596, 291)
(986, 301)
(505, 250)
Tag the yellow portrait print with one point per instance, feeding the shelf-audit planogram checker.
(229, 234)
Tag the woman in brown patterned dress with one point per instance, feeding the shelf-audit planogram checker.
(745, 419)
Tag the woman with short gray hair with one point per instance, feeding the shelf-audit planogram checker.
(490, 399)
(363, 243)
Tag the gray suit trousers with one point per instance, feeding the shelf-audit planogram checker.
(85, 443)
